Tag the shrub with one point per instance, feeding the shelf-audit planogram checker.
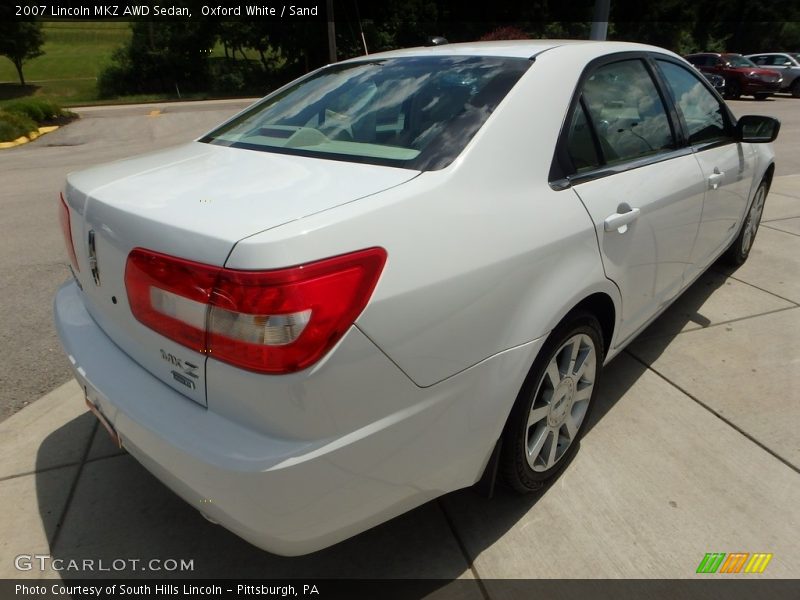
(14, 125)
(229, 83)
(51, 110)
(36, 110)
(116, 80)
(160, 58)
(508, 32)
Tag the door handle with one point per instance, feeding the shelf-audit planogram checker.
(715, 179)
(620, 220)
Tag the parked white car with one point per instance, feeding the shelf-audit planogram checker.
(397, 273)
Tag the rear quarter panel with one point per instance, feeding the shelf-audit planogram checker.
(482, 255)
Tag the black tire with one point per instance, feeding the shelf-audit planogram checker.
(514, 465)
(761, 96)
(796, 88)
(733, 90)
(740, 249)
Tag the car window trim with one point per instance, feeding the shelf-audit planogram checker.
(598, 147)
(562, 172)
(608, 170)
(679, 134)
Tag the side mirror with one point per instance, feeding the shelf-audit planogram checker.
(757, 129)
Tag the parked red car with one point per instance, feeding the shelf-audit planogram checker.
(742, 76)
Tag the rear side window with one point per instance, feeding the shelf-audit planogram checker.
(778, 60)
(702, 113)
(627, 112)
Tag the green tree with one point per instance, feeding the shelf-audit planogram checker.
(20, 41)
(161, 57)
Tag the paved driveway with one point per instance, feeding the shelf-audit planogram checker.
(32, 255)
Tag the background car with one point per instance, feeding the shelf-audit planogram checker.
(742, 77)
(786, 63)
(398, 274)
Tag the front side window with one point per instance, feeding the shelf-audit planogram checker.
(760, 60)
(627, 112)
(703, 114)
(413, 112)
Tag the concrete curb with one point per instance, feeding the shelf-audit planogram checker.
(28, 138)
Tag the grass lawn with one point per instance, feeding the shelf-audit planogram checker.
(74, 54)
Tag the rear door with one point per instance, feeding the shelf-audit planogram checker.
(642, 189)
(727, 165)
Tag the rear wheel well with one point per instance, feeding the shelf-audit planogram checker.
(602, 307)
(768, 175)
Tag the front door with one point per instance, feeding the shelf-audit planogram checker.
(645, 199)
(727, 165)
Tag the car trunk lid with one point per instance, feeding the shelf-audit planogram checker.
(194, 202)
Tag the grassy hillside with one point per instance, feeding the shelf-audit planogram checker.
(74, 54)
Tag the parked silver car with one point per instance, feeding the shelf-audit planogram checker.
(787, 63)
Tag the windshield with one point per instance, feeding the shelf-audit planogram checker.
(413, 112)
(739, 61)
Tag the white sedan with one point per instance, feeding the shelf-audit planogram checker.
(398, 274)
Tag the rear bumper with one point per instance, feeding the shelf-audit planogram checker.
(294, 496)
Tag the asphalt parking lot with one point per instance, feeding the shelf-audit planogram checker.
(32, 257)
(693, 447)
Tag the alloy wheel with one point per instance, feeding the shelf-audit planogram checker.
(753, 219)
(561, 401)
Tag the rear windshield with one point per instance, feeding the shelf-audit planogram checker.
(412, 112)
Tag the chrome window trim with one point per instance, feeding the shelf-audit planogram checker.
(608, 170)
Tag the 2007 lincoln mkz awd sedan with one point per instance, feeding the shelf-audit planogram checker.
(397, 273)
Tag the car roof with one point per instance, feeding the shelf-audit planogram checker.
(509, 48)
(714, 54)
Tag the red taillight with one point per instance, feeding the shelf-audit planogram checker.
(170, 295)
(276, 321)
(66, 229)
